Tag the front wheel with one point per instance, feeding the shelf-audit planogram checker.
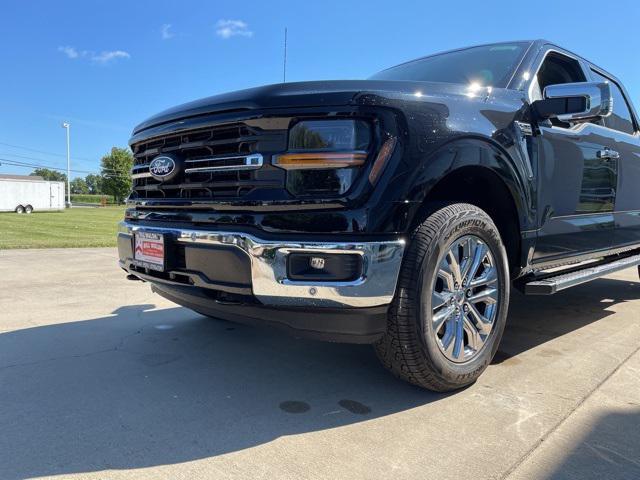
(19, 209)
(447, 317)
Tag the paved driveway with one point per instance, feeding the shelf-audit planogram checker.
(99, 378)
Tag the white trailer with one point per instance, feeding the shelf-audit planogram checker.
(22, 194)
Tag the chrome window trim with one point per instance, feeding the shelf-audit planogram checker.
(375, 287)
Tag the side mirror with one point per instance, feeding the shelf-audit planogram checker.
(570, 102)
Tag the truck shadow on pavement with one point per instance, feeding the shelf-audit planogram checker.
(535, 320)
(146, 387)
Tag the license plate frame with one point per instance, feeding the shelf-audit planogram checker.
(149, 250)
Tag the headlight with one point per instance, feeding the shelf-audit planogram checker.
(330, 135)
(323, 156)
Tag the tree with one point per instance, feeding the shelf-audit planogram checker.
(51, 175)
(78, 185)
(116, 173)
(94, 183)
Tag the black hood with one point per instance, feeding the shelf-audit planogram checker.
(296, 94)
(279, 95)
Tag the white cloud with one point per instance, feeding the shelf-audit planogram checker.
(108, 56)
(101, 58)
(231, 28)
(70, 52)
(166, 32)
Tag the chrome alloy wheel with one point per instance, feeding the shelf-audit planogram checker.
(464, 299)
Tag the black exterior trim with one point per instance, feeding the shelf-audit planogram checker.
(347, 325)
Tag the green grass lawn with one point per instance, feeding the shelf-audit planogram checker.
(74, 227)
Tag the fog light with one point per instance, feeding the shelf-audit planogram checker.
(329, 267)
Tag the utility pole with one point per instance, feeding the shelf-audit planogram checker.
(67, 125)
(284, 67)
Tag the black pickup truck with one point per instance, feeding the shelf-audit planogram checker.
(398, 210)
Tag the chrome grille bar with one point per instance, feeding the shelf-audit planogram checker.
(242, 162)
(140, 171)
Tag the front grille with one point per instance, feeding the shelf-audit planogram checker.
(221, 162)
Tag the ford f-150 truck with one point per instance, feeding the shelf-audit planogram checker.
(398, 210)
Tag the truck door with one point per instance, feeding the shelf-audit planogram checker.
(624, 149)
(577, 185)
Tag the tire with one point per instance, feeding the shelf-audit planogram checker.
(28, 209)
(19, 209)
(417, 344)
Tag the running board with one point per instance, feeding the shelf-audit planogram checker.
(551, 285)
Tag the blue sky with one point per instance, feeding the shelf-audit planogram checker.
(106, 65)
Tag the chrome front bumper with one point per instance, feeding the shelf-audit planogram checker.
(268, 260)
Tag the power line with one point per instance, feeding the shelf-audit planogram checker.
(39, 160)
(15, 163)
(20, 156)
(45, 152)
(111, 176)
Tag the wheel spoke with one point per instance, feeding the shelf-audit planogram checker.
(487, 295)
(468, 247)
(482, 323)
(479, 253)
(438, 299)
(490, 311)
(448, 338)
(458, 348)
(488, 277)
(446, 274)
(440, 317)
(475, 338)
(454, 266)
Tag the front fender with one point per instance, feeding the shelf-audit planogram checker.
(476, 152)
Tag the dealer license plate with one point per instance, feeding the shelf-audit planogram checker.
(149, 250)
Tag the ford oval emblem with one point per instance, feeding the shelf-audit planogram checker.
(163, 167)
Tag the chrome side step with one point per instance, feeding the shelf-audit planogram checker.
(554, 284)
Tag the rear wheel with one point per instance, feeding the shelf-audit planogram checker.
(28, 209)
(19, 209)
(450, 307)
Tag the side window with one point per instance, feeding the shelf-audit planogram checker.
(556, 69)
(620, 119)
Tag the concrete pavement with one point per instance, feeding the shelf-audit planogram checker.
(100, 378)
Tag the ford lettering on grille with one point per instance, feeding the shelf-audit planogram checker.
(162, 167)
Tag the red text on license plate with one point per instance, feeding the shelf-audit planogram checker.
(149, 248)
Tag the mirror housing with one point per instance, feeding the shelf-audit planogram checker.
(571, 102)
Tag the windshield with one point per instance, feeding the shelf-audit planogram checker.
(488, 65)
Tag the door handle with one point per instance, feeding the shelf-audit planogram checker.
(608, 154)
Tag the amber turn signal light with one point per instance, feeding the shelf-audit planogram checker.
(320, 160)
(381, 159)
